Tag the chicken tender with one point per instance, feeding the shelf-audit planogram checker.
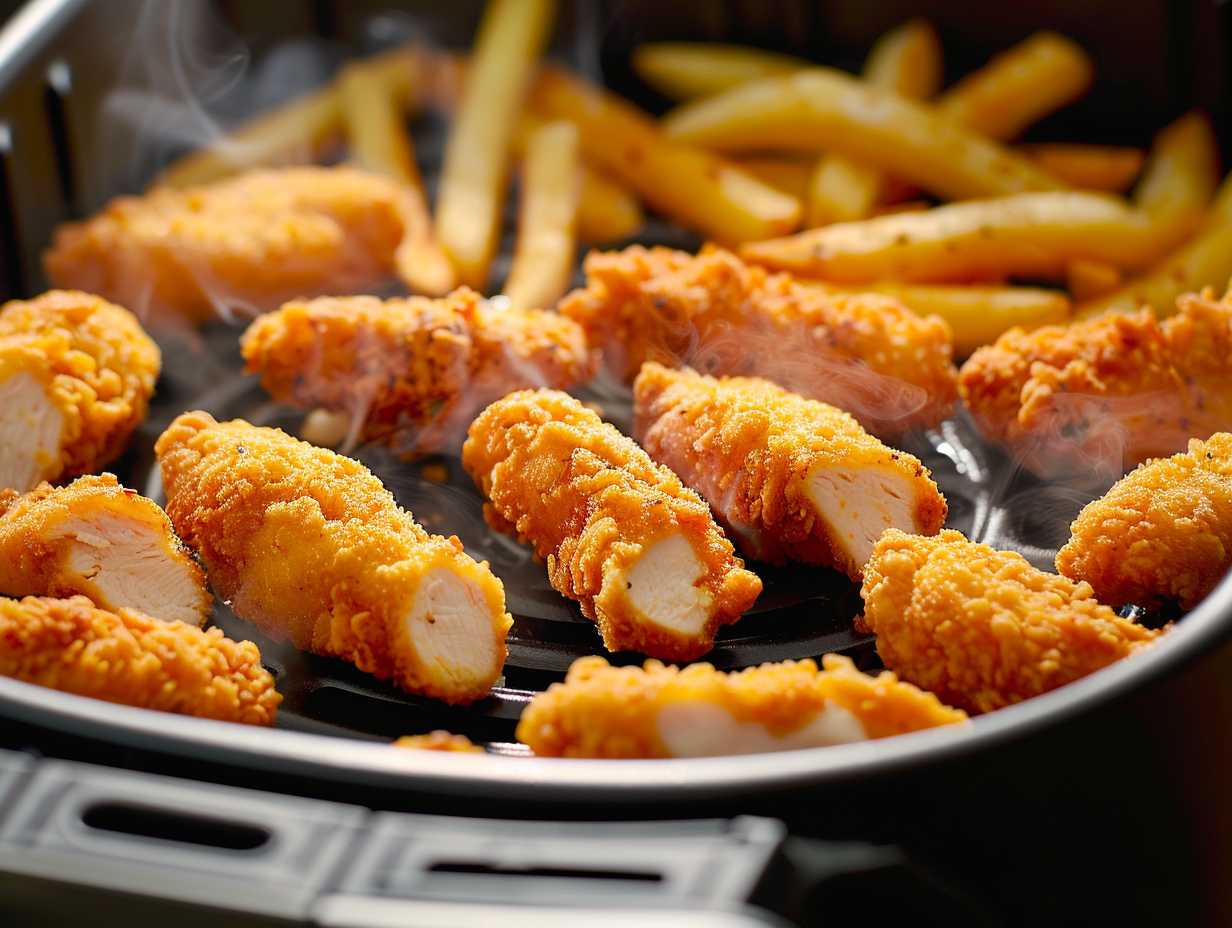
(864, 352)
(657, 711)
(1107, 393)
(413, 371)
(983, 628)
(439, 741)
(98, 539)
(246, 244)
(311, 547)
(130, 658)
(1162, 534)
(791, 479)
(639, 552)
(76, 375)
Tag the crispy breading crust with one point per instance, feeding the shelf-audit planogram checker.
(747, 446)
(439, 741)
(250, 242)
(983, 628)
(591, 501)
(1162, 534)
(1109, 392)
(414, 371)
(97, 366)
(612, 712)
(865, 353)
(310, 546)
(130, 658)
(32, 550)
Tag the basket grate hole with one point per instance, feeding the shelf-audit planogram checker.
(148, 822)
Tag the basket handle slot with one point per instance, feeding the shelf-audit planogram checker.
(143, 821)
(471, 868)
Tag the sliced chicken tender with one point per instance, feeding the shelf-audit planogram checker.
(1162, 534)
(639, 552)
(76, 376)
(311, 547)
(130, 658)
(96, 538)
(982, 628)
(657, 711)
(790, 478)
(412, 372)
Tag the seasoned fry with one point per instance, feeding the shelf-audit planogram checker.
(1104, 168)
(788, 174)
(823, 109)
(547, 219)
(1033, 234)
(907, 61)
(476, 169)
(607, 212)
(1086, 279)
(685, 70)
(1179, 180)
(697, 189)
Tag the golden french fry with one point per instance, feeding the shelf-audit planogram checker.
(1086, 279)
(790, 175)
(547, 218)
(823, 109)
(685, 70)
(1106, 168)
(1019, 86)
(1180, 178)
(694, 187)
(607, 212)
(906, 60)
(1034, 234)
(471, 196)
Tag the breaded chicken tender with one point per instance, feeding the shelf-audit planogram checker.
(413, 371)
(865, 353)
(656, 711)
(98, 539)
(311, 547)
(1162, 534)
(439, 741)
(76, 375)
(639, 552)
(130, 658)
(246, 243)
(791, 479)
(982, 628)
(1107, 393)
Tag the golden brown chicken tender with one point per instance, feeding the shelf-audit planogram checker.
(439, 741)
(244, 244)
(1162, 534)
(1107, 393)
(790, 478)
(657, 711)
(76, 375)
(983, 628)
(98, 539)
(413, 371)
(864, 353)
(130, 658)
(311, 547)
(639, 552)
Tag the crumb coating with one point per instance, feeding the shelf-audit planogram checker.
(414, 370)
(865, 352)
(130, 658)
(311, 547)
(96, 364)
(1113, 391)
(249, 242)
(1162, 534)
(613, 712)
(439, 741)
(982, 628)
(590, 501)
(748, 446)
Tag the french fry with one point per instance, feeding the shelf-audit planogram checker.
(471, 197)
(696, 188)
(1019, 86)
(379, 143)
(686, 70)
(1034, 234)
(1180, 177)
(826, 110)
(607, 212)
(547, 218)
(790, 175)
(907, 61)
(1086, 279)
(1106, 168)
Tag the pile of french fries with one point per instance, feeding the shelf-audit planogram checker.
(884, 182)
